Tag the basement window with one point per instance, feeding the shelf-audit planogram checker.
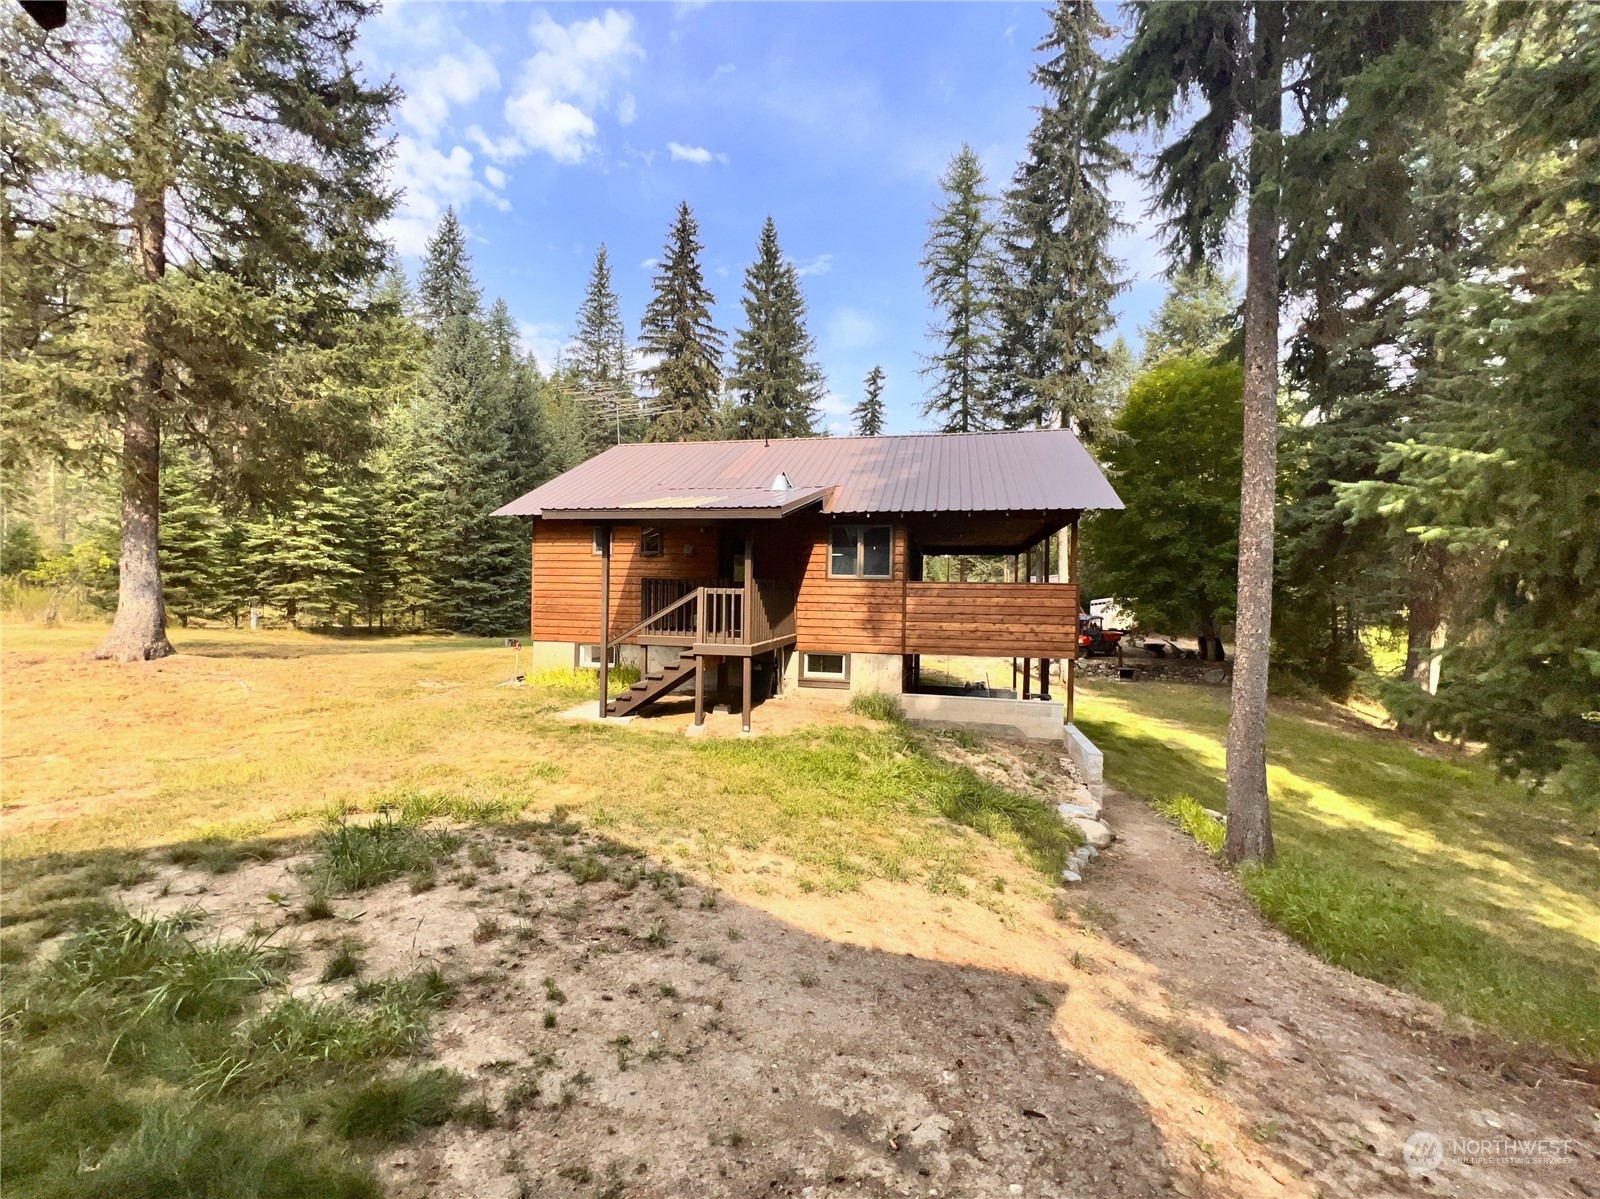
(649, 543)
(825, 670)
(589, 657)
(861, 552)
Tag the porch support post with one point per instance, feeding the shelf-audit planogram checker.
(605, 617)
(1072, 577)
(747, 666)
(746, 623)
(700, 689)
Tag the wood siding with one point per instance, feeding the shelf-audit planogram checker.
(849, 615)
(1034, 620)
(875, 616)
(566, 575)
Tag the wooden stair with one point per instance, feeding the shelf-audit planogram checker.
(652, 687)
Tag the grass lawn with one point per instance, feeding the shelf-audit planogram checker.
(1413, 866)
(175, 1056)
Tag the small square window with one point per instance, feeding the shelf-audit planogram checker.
(825, 670)
(649, 543)
(875, 542)
(589, 657)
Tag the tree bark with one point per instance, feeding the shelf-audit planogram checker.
(1249, 814)
(139, 629)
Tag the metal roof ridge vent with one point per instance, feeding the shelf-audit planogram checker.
(782, 482)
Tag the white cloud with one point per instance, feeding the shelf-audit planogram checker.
(455, 79)
(565, 81)
(820, 265)
(649, 264)
(544, 342)
(852, 329)
(627, 110)
(724, 68)
(432, 180)
(698, 155)
(495, 176)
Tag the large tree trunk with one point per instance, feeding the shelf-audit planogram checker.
(139, 630)
(1249, 816)
(1424, 614)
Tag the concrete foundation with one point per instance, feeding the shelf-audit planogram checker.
(563, 655)
(877, 672)
(1086, 756)
(1037, 720)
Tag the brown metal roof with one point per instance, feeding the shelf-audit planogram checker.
(1043, 470)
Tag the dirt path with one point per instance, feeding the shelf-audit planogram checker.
(1333, 1071)
(756, 1040)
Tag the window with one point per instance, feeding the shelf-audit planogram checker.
(649, 543)
(599, 544)
(861, 552)
(589, 657)
(825, 670)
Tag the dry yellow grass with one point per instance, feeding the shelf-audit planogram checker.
(244, 734)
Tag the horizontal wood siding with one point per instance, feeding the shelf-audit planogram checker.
(849, 615)
(1034, 620)
(566, 575)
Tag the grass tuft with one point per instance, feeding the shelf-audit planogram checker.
(1190, 815)
(395, 1108)
(354, 857)
(876, 705)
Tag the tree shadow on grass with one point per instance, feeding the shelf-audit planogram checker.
(617, 1021)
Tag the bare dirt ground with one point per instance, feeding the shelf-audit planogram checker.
(1160, 1038)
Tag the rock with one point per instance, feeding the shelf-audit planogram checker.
(1215, 676)
(1072, 811)
(1219, 817)
(1079, 793)
(1096, 832)
(1071, 876)
(931, 1131)
(1089, 851)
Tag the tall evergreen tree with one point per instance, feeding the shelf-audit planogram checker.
(869, 412)
(1056, 276)
(527, 434)
(958, 272)
(1219, 69)
(776, 382)
(446, 287)
(599, 363)
(240, 149)
(687, 376)
(190, 526)
(1197, 318)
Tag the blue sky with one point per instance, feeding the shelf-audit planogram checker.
(553, 128)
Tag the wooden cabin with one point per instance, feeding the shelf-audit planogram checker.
(806, 562)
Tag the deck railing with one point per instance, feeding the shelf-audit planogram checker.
(691, 612)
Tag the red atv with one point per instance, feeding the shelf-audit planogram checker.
(1095, 640)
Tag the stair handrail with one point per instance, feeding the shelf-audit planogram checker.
(655, 616)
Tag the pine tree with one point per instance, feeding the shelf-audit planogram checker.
(526, 432)
(190, 525)
(958, 271)
(1056, 277)
(599, 364)
(1233, 56)
(242, 137)
(777, 385)
(446, 287)
(869, 412)
(1197, 318)
(687, 376)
